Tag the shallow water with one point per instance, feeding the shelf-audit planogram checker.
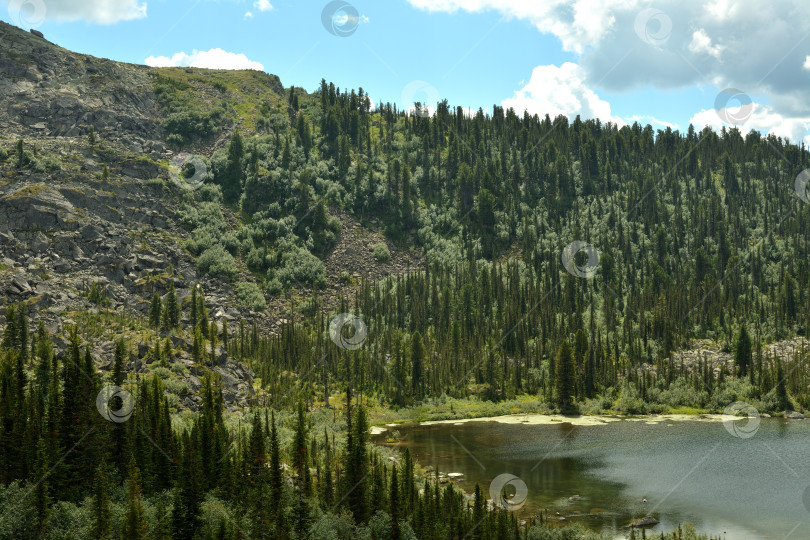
(689, 471)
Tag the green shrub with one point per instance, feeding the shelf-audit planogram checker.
(250, 295)
(274, 287)
(178, 367)
(215, 261)
(164, 373)
(301, 266)
(630, 401)
(211, 193)
(190, 124)
(3, 155)
(176, 387)
(381, 252)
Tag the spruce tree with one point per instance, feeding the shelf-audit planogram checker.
(172, 308)
(417, 364)
(155, 311)
(40, 502)
(564, 381)
(102, 524)
(135, 519)
(301, 466)
(743, 354)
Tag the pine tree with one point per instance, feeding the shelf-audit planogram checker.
(135, 519)
(743, 354)
(174, 307)
(479, 514)
(102, 524)
(301, 466)
(21, 154)
(193, 314)
(417, 364)
(257, 458)
(357, 466)
(394, 502)
(40, 502)
(564, 380)
(276, 480)
(232, 181)
(155, 311)
(782, 399)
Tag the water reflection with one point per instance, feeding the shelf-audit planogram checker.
(601, 475)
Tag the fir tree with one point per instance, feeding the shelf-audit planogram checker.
(564, 379)
(743, 354)
(135, 520)
(102, 522)
(155, 311)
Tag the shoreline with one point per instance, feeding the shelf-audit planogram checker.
(556, 419)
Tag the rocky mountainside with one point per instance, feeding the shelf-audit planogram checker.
(79, 216)
(90, 202)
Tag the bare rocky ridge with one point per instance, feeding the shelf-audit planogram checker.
(46, 90)
(64, 228)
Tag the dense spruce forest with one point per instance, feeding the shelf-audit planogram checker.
(681, 236)
(695, 235)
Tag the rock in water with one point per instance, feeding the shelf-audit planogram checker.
(646, 521)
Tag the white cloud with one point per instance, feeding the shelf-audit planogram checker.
(702, 44)
(577, 23)
(761, 44)
(652, 120)
(213, 59)
(342, 19)
(93, 11)
(763, 119)
(248, 15)
(556, 90)
(263, 5)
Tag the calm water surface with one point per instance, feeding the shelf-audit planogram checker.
(689, 471)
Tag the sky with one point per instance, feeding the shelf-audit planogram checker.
(742, 63)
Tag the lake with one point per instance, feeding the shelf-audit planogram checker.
(688, 470)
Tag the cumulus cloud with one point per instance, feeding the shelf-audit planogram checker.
(702, 44)
(578, 23)
(263, 5)
(93, 11)
(759, 47)
(213, 59)
(556, 90)
(652, 120)
(763, 119)
(248, 15)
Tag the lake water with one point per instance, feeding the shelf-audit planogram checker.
(688, 470)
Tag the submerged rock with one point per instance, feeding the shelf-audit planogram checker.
(646, 521)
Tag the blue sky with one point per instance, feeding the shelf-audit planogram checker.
(663, 63)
